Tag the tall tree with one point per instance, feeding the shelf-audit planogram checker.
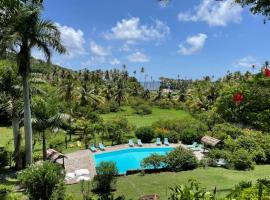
(22, 29)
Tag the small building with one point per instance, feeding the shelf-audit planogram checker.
(54, 156)
(210, 141)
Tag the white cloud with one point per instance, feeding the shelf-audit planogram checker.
(132, 30)
(138, 57)
(247, 61)
(193, 44)
(99, 50)
(215, 13)
(73, 40)
(115, 61)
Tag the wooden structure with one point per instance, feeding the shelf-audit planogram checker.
(54, 155)
(150, 197)
(210, 141)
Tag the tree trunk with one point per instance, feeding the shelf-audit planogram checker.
(17, 143)
(44, 149)
(27, 120)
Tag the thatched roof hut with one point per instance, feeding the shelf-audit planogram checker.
(210, 141)
(54, 155)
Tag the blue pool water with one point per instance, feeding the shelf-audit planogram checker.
(129, 159)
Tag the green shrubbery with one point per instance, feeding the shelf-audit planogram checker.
(143, 109)
(181, 159)
(186, 130)
(154, 161)
(242, 160)
(146, 134)
(43, 180)
(105, 179)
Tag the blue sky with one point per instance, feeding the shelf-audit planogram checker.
(192, 38)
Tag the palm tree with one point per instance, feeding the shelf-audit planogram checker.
(22, 27)
(120, 92)
(46, 117)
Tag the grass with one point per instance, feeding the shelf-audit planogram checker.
(6, 136)
(134, 186)
(147, 120)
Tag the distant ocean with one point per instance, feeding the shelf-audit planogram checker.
(151, 85)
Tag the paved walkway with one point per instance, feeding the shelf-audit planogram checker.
(84, 159)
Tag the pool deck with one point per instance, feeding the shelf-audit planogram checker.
(84, 159)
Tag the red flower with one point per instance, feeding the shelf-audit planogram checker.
(267, 72)
(238, 98)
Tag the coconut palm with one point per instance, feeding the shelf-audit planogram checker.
(22, 29)
(46, 117)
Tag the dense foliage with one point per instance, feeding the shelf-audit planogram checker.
(181, 159)
(146, 134)
(105, 179)
(43, 180)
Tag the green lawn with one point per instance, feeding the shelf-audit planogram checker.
(6, 136)
(147, 120)
(135, 186)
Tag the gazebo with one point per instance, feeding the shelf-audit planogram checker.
(210, 141)
(54, 155)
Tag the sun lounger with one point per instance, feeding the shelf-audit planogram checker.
(194, 145)
(101, 147)
(130, 143)
(158, 142)
(92, 148)
(139, 142)
(166, 142)
(79, 144)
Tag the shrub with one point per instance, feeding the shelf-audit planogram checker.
(189, 135)
(143, 109)
(57, 142)
(146, 134)
(117, 129)
(165, 104)
(173, 137)
(187, 129)
(37, 156)
(181, 159)
(154, 161)
(242, 160)
(105, 178)
(41, 180)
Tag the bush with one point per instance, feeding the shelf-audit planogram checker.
(187, 129)
(105, 178)
(242, 160)
(154, 161)
(37, 156)
(165, 104)
(173, 137)
(57, 142)
(146, 134)
(189, 135)
(41, 180)
(143, 109)
(181, 159)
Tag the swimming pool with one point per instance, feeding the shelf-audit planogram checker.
(129, 159)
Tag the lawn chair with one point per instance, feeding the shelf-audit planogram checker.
(139, 142)
(79, 144)
(166, 142)
(101, 147)
(194, 145)
(130, 143)
(158, 142)
(92, 148)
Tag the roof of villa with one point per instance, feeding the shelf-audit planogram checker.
(54, 155)
(210, 140)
